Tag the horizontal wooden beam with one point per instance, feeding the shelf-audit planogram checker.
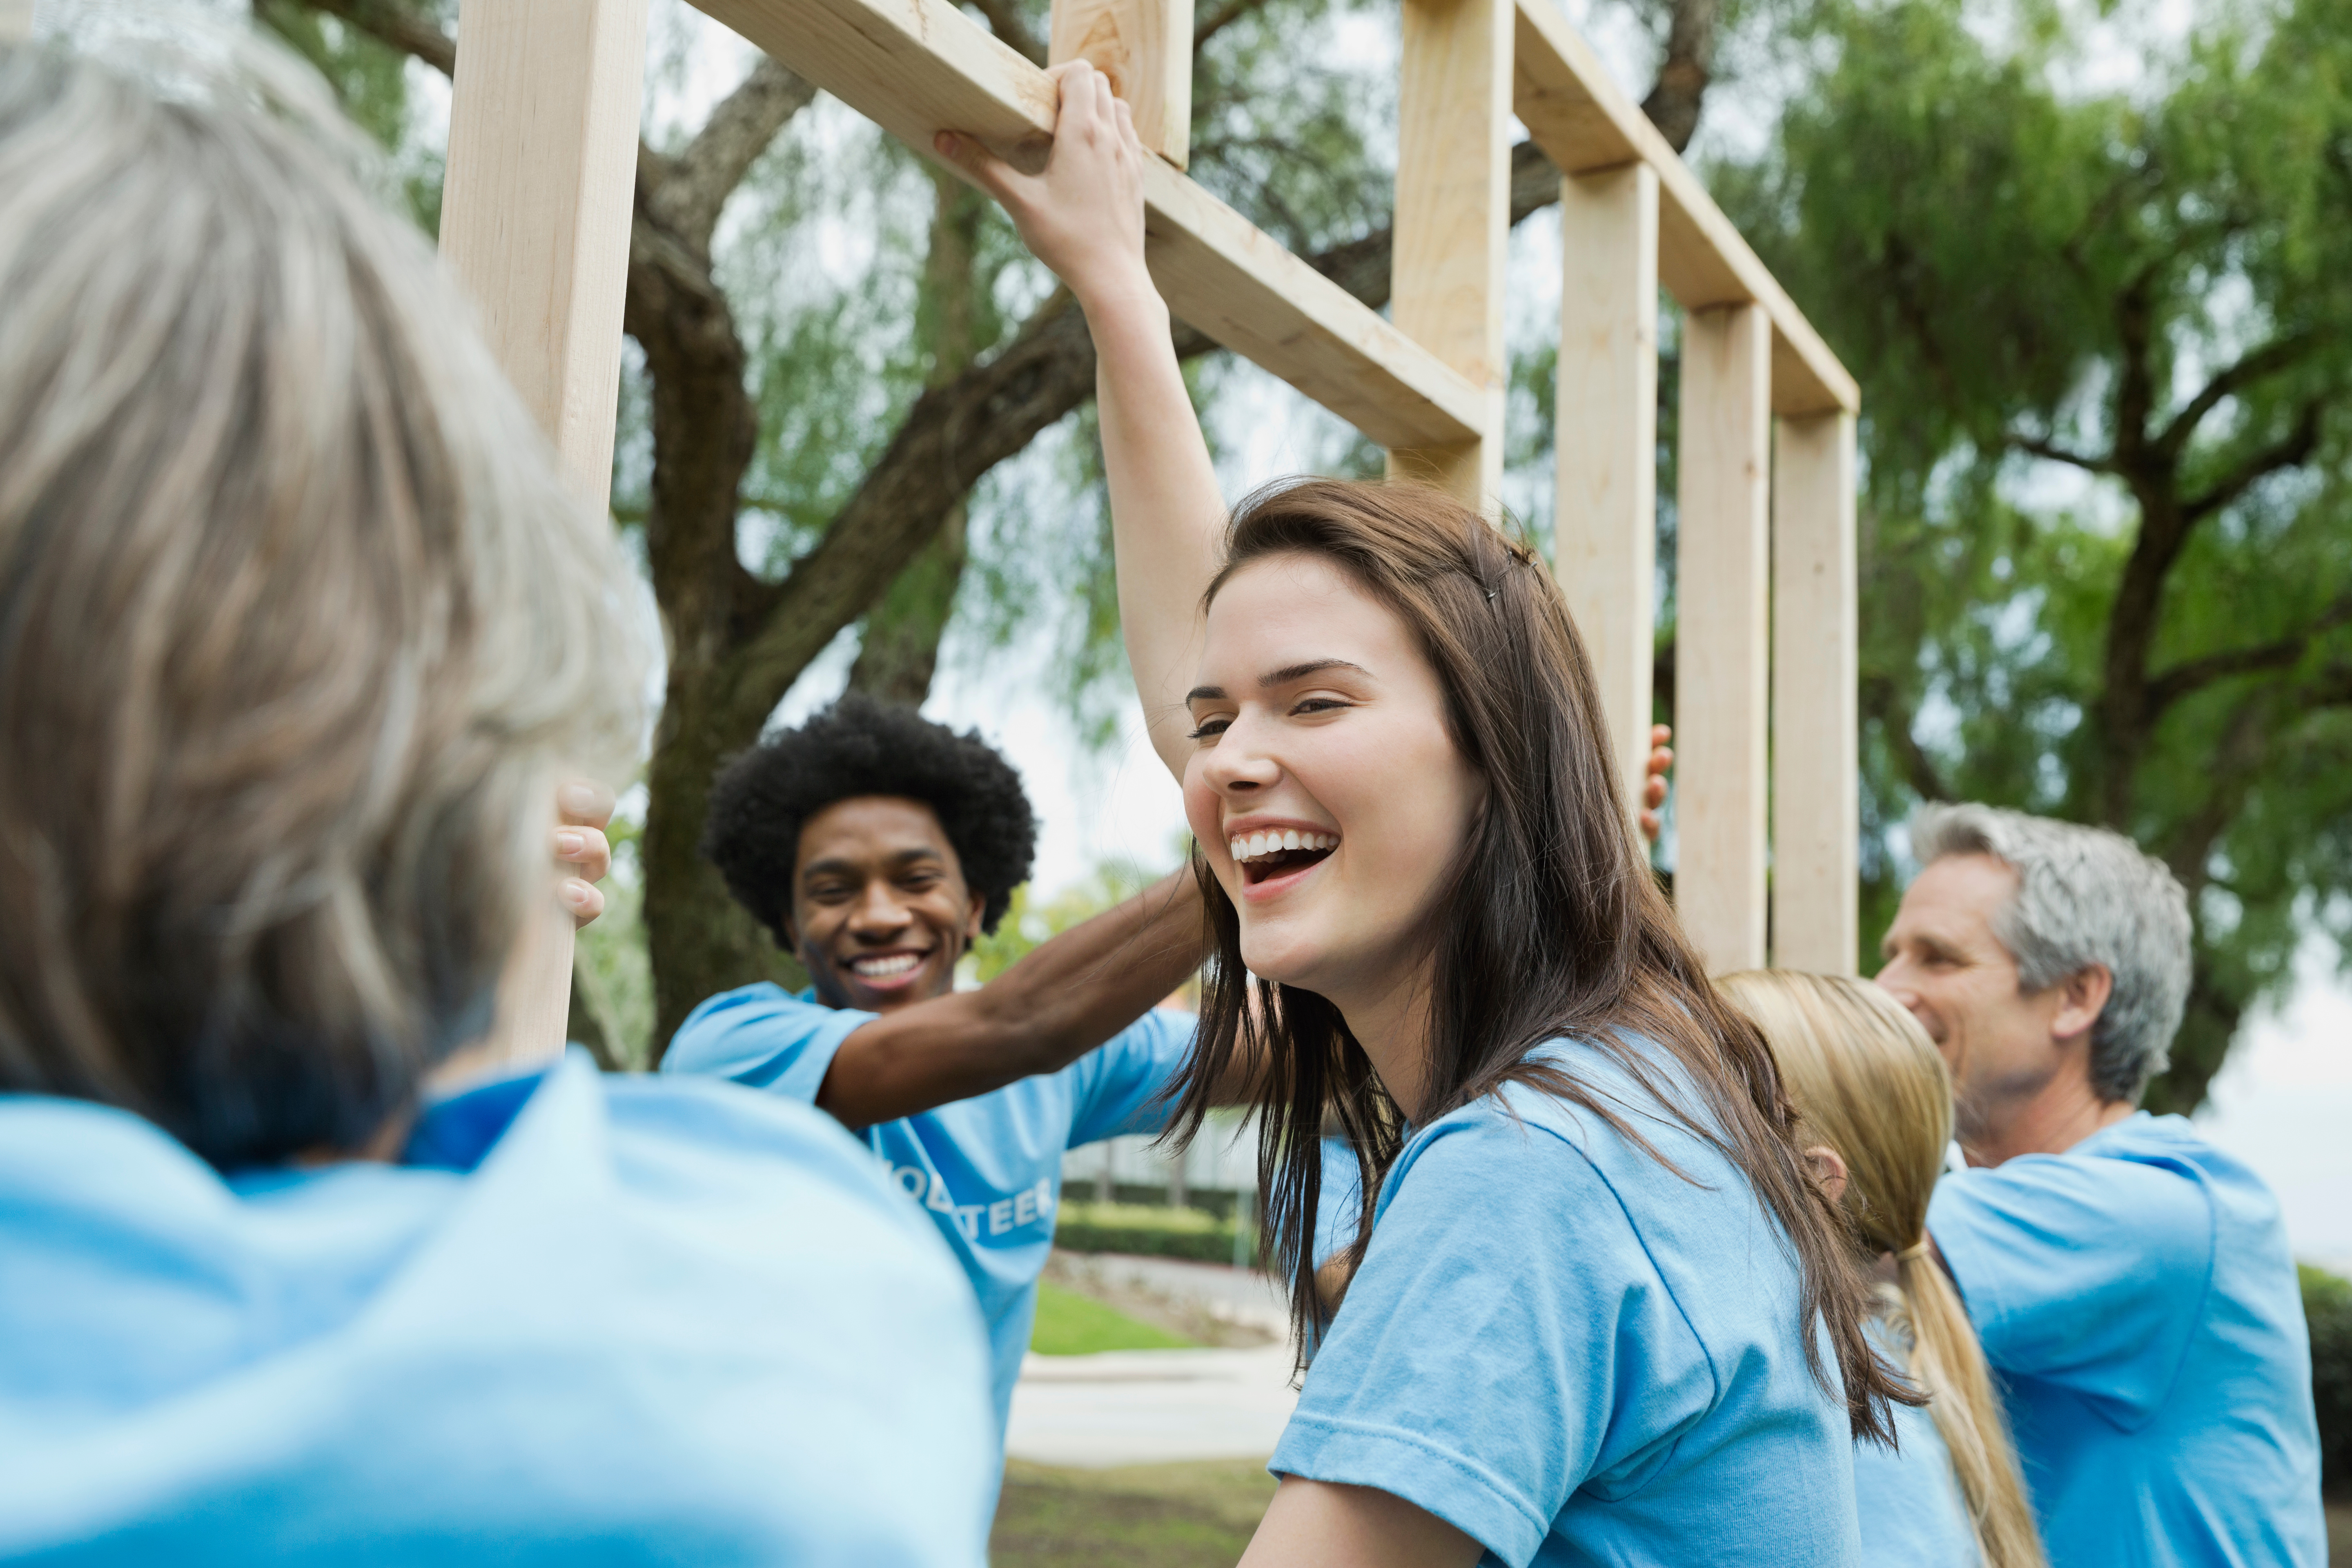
(919, 67)
(1583, 122)
(1144, 46)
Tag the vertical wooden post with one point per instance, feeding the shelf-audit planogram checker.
(1816, 804)
(1721, 622)
(1605, 528)
(536, 208)
(1144, 46)
(535, 215)
(1453, 219)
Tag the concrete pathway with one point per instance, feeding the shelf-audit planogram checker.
(1141, 1407)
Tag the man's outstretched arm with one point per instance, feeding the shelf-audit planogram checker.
(1058, 1003)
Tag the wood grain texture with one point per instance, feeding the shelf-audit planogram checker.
(1584, 121)
(1606, 449)
(535, 215)
(535, 209)
(1816, 804)
(1144, 46)
(1453, 220)
(1721, 633)
(920, 66)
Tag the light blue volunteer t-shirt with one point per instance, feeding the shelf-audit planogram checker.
(1907, 1497)
(987, 1170)
(1575, 1355)
(604, 1320)
(2138, 1297)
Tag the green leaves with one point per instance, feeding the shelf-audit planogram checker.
(2105, 343)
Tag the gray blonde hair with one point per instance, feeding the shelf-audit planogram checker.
(2084, 896)
(297, 627)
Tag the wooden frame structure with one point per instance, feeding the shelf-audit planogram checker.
(536, 222)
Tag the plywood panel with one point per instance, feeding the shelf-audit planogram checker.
(1605, 530)
(1144, 46)
(1452, 219)
(535, 216)
(920, 66)
(1584, 121)
(1816, 808)
(1721, 633)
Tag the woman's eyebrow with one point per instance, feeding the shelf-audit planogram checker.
(1283, 677)
(1290, 672)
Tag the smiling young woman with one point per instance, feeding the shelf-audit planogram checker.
(1599, 1310)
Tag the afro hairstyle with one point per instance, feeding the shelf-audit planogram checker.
(860, 747)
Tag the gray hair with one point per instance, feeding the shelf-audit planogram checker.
(2084, 896)
(297, 625)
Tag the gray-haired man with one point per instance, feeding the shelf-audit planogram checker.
(2132, 1283)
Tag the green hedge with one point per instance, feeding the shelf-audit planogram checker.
(2327, 1308)
(1138, 1229)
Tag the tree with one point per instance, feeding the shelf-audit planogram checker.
(730, 443)
(2106, 341)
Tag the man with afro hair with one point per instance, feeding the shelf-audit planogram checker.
(877, 845)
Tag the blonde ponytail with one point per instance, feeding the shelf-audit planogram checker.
(1867, 1081)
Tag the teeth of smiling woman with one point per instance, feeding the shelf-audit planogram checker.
(1261, 844)
(883, 968)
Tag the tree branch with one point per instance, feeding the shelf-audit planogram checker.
(700, 179)
(2271, 357)
(2039, 448)
(2194, 675)
(1881, 701)
(1010, 29)
(1682, 76)
(2289, 452)
(389, 22)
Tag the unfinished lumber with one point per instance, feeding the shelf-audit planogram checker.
(1721, 631)
(919, 67)
(1452, 222)
(1144, 46)
(1816, 803)
(1606, 448)
(535, 217)
(1583, 121)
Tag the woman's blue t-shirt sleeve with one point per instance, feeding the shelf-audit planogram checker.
(1475, 1367)
(1122, 1084)
(765, 1037)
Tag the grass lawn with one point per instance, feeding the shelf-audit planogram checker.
(1072, 1324)
(1197, 1515)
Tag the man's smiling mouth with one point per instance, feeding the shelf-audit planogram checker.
(886, 965)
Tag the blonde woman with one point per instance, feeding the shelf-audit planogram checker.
(1875, 1100)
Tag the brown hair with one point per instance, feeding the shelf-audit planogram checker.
(296, 625)
(1552, 924)
(1867, 1081)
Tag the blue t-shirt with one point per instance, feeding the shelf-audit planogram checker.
(2139, 1299)
(987, 1170)
(605, 1322)
(1574, 1354)
(1909, 1501)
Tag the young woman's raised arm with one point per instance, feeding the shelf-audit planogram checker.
(1083, 218)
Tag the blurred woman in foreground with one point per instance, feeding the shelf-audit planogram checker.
(1872, 1091)
(298, 633)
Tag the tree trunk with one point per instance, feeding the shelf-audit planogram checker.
(899, 649)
